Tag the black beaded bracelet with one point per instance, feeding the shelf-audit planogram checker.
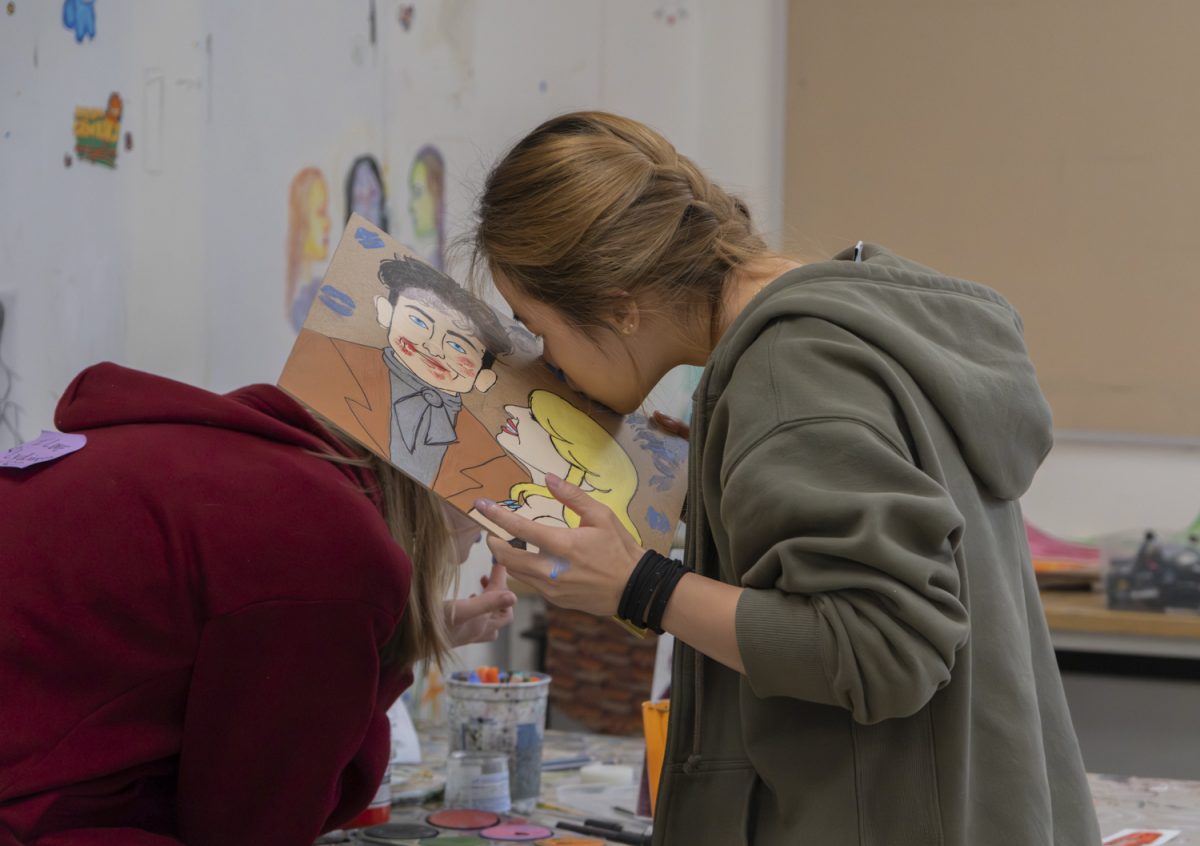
(625, 609)
(646, 594)
(646, 576)
(658, 608)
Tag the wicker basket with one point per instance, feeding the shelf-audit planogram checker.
(602, 674)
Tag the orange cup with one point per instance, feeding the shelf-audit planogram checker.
(655, 716)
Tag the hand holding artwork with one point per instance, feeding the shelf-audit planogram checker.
(480, 618)
(583, 568)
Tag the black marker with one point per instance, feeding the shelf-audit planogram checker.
(607, 834)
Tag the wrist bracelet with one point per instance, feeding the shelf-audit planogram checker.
(648, 590)
(658, 608)
(653, 569)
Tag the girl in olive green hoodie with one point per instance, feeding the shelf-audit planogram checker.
(863, 657)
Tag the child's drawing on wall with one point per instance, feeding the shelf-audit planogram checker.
(365, 194)
(79, 16)
(427, 205)
(307, 242)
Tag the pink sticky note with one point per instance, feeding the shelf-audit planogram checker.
(45, 447)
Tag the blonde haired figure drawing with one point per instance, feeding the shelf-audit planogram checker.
(552, 436)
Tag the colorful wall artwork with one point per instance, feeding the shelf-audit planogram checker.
(427, 205)
(79, 16)
(365, 192)
(307, 242)
(98, 131)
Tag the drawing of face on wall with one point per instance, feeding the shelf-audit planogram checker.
(365, 192)
(307, 241)
(552, 436)
(427, 204)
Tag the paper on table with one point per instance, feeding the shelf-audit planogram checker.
(47, 446)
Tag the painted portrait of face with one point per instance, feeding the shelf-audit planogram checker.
(365, 192)
(307, 241)
(524, 438)
(550, 435)
(439, 345)
(427, 201)
(316, 242)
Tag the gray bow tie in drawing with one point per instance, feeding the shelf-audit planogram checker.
(427, 404)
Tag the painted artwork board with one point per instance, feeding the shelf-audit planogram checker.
(454, 393)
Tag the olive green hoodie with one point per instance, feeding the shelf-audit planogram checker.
(860, 437)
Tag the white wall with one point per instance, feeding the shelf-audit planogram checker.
(1094, 485)
(173, 262)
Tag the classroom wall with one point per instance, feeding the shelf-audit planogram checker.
(174, 261)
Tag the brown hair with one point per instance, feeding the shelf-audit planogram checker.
(591, 205)
(416, 521)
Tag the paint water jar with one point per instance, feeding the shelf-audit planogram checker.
(508, 717)
(478, 780)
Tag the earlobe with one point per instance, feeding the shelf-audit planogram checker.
(626, 315)
(485, 380)
(383, 312)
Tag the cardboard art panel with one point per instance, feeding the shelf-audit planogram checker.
(422, 373)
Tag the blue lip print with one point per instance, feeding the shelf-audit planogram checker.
(80, 16)
(657, 520)
(370, 240)
(335, 300)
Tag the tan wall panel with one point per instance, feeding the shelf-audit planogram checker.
(1050, 150)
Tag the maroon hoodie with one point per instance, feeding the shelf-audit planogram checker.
(191, 610)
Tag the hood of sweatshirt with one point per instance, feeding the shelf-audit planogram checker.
(108, 394)
(962, 344)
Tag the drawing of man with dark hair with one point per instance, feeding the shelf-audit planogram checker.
(405, 401)
(441, 344)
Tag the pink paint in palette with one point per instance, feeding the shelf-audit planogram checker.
(514, 832)
(47, 446)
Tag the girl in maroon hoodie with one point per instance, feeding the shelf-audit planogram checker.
(204, 617)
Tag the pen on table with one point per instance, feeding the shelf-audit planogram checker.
(575, 763)
(607, 834)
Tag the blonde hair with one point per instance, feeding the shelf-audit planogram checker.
(416, 521)
(592, 204)
(596, 459)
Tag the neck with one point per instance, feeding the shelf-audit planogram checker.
(740, 288)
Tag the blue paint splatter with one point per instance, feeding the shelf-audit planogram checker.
(370, 240)
(657, 520)
(80, 16)
(667, 453)
(337, 301)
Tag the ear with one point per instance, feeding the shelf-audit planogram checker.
(383, 312)
(485, 380)
(625, 314)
